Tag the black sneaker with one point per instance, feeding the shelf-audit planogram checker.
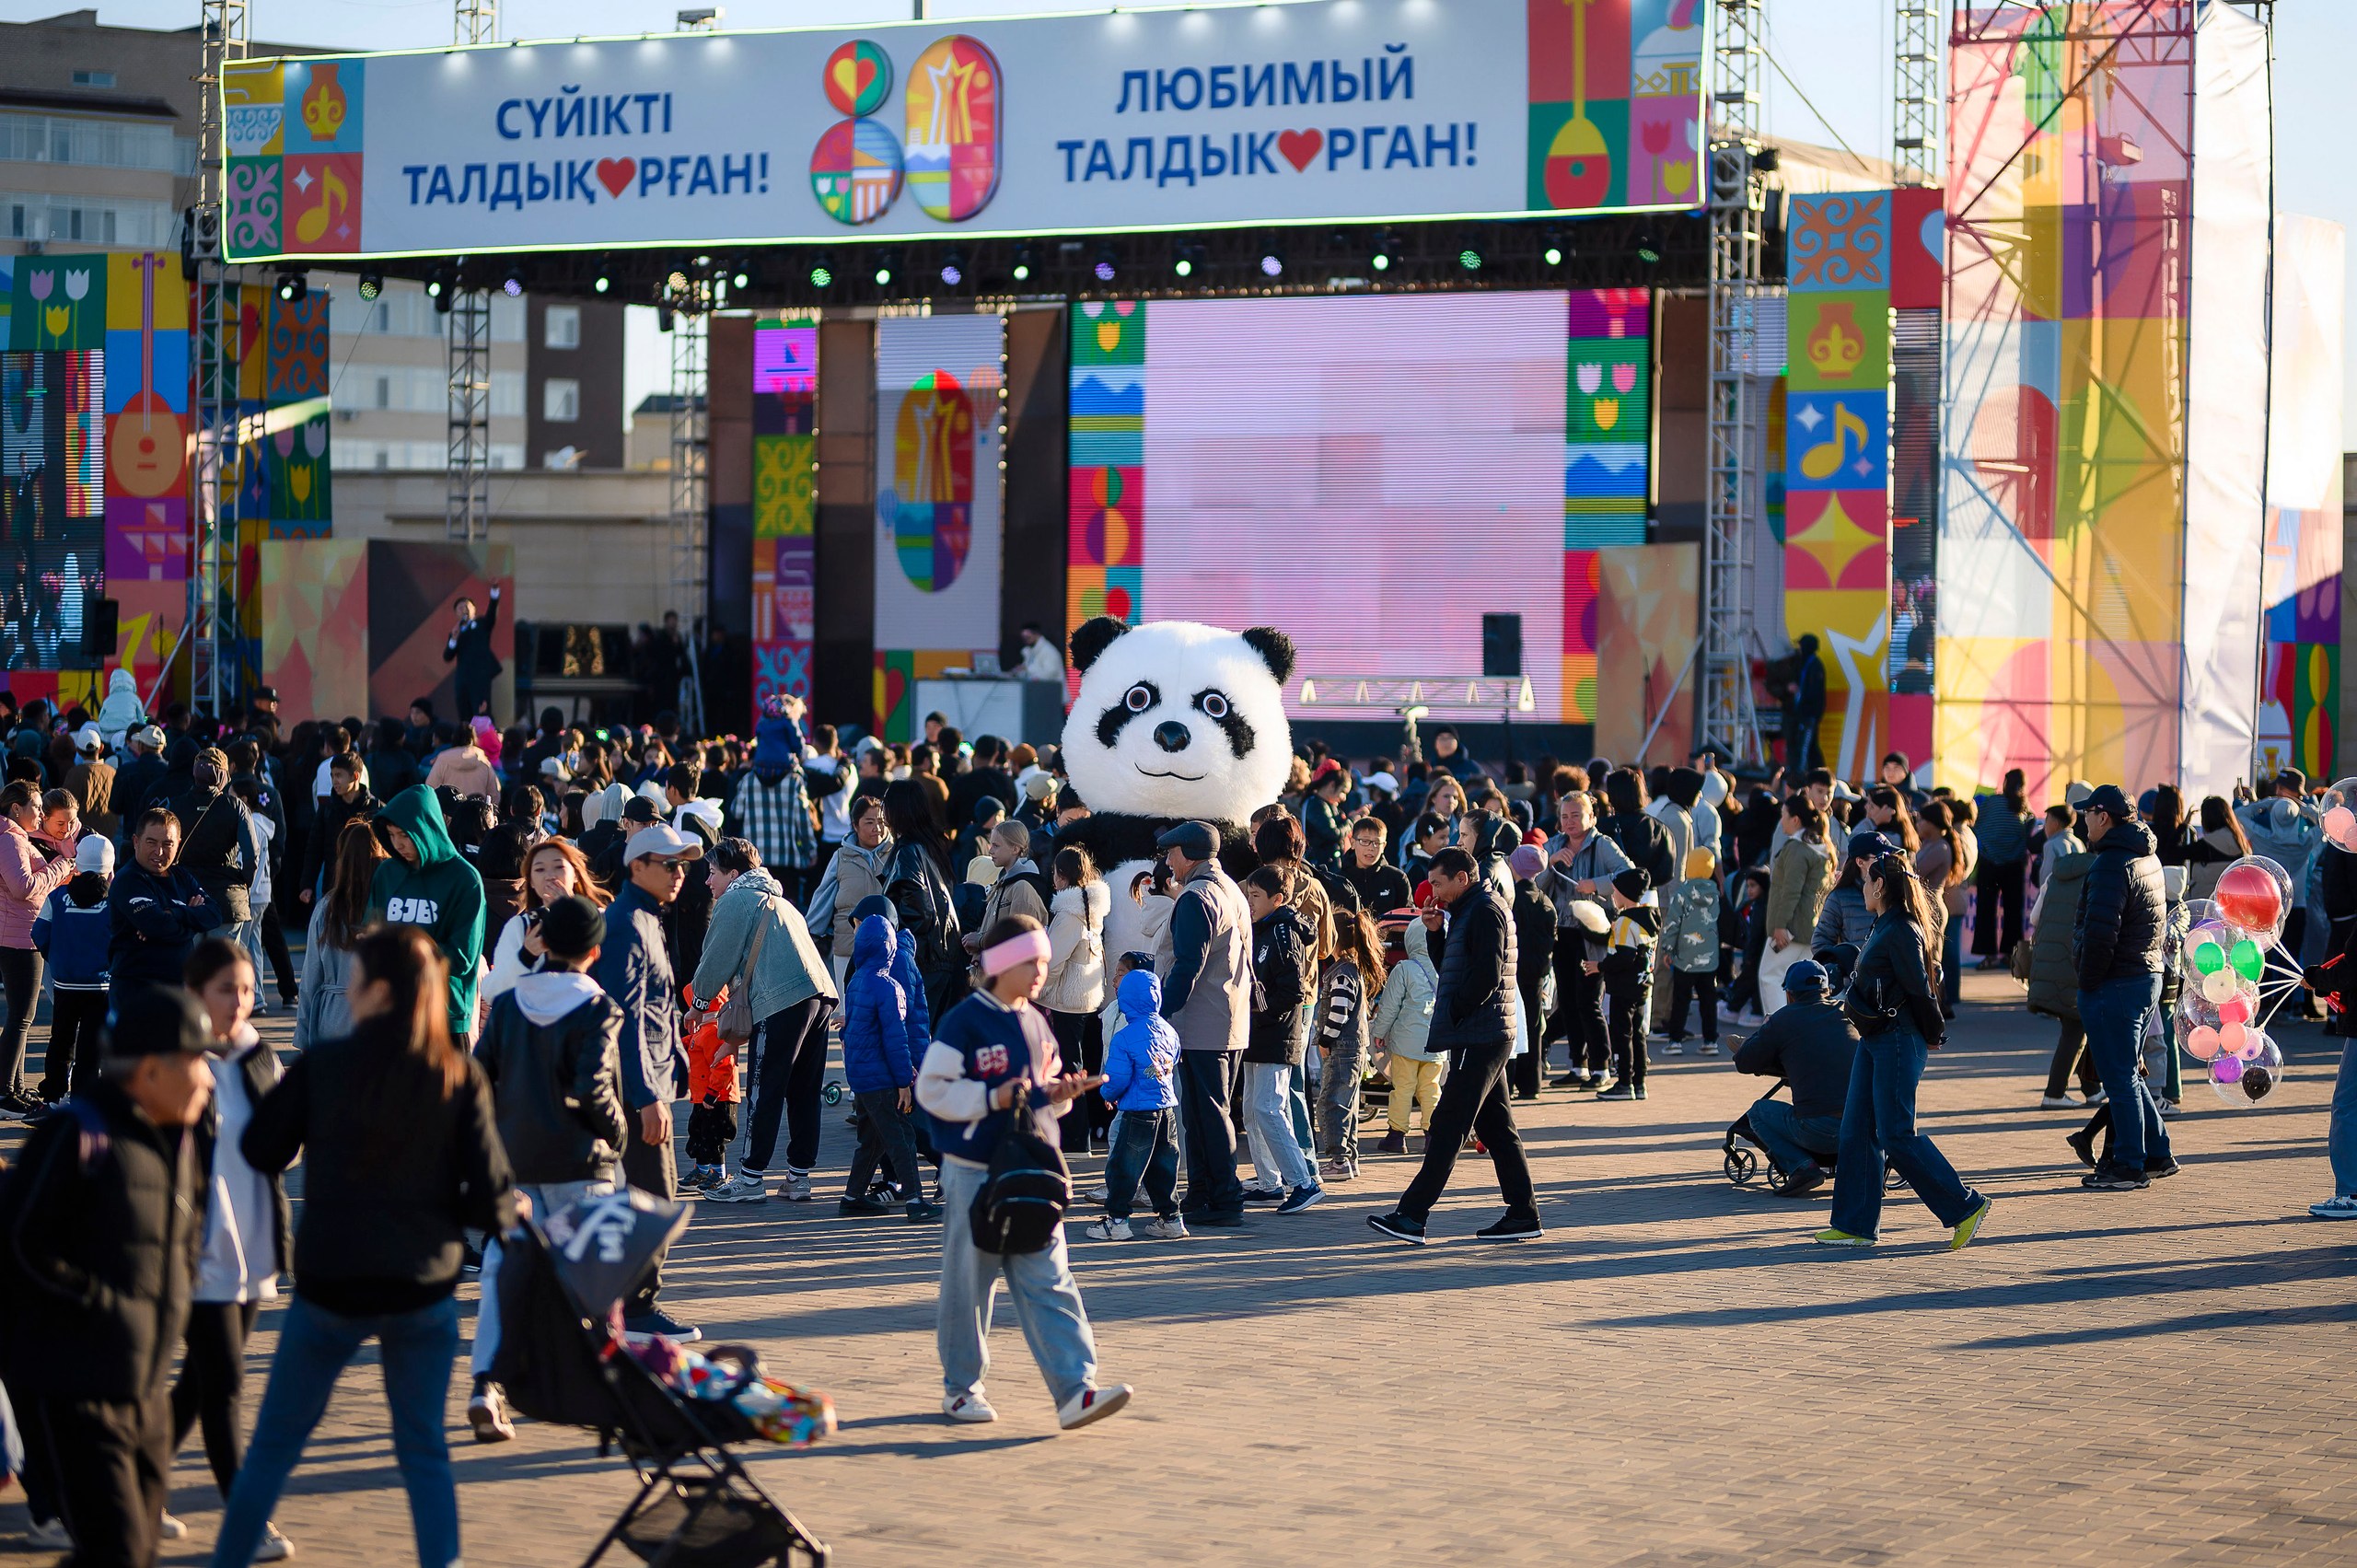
(1393, 1144)
(2084, 1145)
(868, 1206)
(661, 1323)
(1264, 1194)
(1514, 1225)
(1218, 1219)
(1805, 1180)
(2161, 1169)
(2112, 1178)
(1398, 1228)
(1621, 1091)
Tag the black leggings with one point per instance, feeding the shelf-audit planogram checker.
(20, 972)
(1079, 1040)
(212, 1374)
(2000, 883)
(273, 943)
(74, 1019)
(1626, 1012)
(1701, 988)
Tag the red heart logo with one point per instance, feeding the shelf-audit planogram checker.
(616, 173)
(1300, 147)
(896, 686)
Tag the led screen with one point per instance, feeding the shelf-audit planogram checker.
(1372, 475)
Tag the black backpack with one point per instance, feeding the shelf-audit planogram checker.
(1021, 1205)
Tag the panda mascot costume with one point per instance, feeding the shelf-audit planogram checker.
(1175, 721)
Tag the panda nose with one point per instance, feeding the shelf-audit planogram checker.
(1172, 735)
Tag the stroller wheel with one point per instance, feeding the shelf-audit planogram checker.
(832, 1094)
(1743, 1163)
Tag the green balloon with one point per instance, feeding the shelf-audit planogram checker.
(2208, 958)
(2248, 961)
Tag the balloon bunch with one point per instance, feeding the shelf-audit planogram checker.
(2228, 991)
(2341, 815)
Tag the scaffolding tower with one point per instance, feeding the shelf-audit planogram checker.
(1738, 198)
(690, 310)
(1918, 38)
(210, 630)
(466, 509)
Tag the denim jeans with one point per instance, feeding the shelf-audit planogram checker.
(1879, 1122)
(1338, 1100)
(314, 1345)
(1794, 1141)
(2113, 1016)
(887, 1138)
(1952, 962)
(1146, 1147)
(1268, 1123)
(1206, 1078)
(1047, 1303)
(2341, 1138)
(547, 1198)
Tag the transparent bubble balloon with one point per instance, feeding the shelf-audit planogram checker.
(2340, 805)
(2242, 1084)
(2254, 895)
(2204, 1043)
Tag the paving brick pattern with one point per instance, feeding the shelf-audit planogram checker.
(1673, 1377)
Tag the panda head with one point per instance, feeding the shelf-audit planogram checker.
(1179, 719)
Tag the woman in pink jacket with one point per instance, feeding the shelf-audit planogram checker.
(26, 878)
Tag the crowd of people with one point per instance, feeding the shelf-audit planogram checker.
(536, 961)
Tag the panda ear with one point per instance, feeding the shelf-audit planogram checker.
(1275, 648)
(1093, 638)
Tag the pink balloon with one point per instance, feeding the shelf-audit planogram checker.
(2231, 1038)
(2340, 827)
(2237, 1009)
(2205, 1043)
(2252, 1046)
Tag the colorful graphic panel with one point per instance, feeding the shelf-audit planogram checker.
(1837, 473)
(2299, 716)
(938, 448)
(1648, 621)
(1330, 111)
(314, 623)
(52, 512)
(2061, 552)
(1373, 474)
(786, 562)
(413, 586)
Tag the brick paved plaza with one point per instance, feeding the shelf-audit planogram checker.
(1674, 1375)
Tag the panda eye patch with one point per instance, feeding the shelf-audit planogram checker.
(1213, 705)
(1140, 697)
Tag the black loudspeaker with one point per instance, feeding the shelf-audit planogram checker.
(1502, 648)
(99, 627)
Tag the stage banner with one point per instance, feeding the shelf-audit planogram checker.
(53, 458)
(1316, 112)
(785, 556)
(2062, 547)
(1836, 467)
(1608, 430)
(2226, 402)
(2299, 714)
(939, 448)
(1918, 265)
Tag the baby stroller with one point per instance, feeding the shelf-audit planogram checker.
(562, 1359)
(1745, 1159)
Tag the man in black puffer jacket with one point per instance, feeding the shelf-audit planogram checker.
(2116, 944)
(1473, 1020)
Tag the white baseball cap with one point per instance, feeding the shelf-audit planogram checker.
(87, 738)
(664, 839)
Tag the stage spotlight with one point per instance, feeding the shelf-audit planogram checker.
(511, 282)
(741, 276)
(1023, 263)
(293, 286)
(822, 273)
(953, 269)
(1556, 250)
(1182, 260)
(602, 282)
(1381, 259)
(1107, 263)
(1272, 264)
(1470, 259)
(883, 270)
(1648, 249)
(371, 285)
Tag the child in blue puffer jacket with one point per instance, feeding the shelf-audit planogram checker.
(880, 1061)
(1139, 1063)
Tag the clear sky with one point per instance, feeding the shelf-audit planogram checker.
(1836, 54)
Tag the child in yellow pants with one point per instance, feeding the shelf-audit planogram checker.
(1403, 1019)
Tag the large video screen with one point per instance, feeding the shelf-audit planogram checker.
(1372, 475)
(52, 503)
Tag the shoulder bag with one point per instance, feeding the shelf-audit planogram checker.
(735, 1020)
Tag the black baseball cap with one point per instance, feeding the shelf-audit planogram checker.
(156, 1020)
(571, 925)
(1196, 841)
(638, 808)
(2112, 801)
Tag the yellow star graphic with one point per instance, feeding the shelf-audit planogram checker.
(1834, 539)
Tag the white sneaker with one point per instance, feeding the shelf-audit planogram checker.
(969, 1408)
(2343, 1207)
(1709, 1048)
(487, 1413)
(739, 1188)
(274, 1548)
(1098, 1193)
(171, 1528)
(1172, 1229)
(1672, 1047)
(795, 1187)
(2101, 1096)
(1656, 1035)
(1091, 1405)
(2059, 1102)
(1106, 1228)
(49, 1535)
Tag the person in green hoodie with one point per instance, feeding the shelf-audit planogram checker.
(426, 883)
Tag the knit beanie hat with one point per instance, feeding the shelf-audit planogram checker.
(1633, 884)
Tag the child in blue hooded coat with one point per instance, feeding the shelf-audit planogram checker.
(1139, 1063)
(881, 1055)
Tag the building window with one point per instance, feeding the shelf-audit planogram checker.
(147, 225)
(563, 328)
(561, 401)
(103, 144)
(94, 78)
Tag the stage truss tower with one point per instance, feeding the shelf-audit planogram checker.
(210, 629)
(466, 509)
(1918, 37)
(1738, 225)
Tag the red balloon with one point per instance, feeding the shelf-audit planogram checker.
(2248, 897)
